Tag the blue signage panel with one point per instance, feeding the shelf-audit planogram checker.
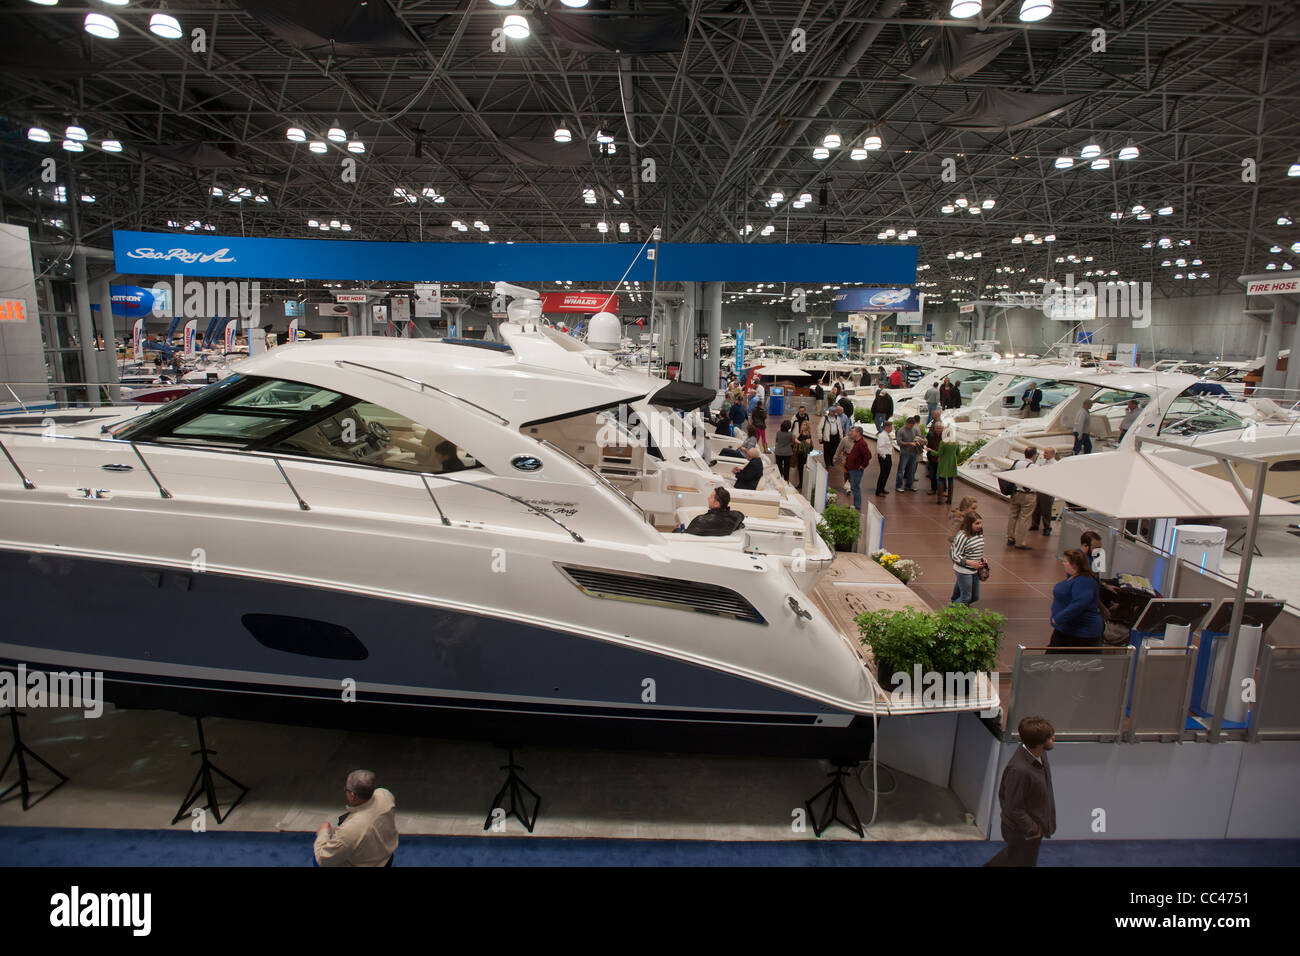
(131, 301)
(842, 341)
(165, 254)
(877, 300)
(740, 350)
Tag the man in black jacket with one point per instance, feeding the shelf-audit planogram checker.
(719, 520)
(1028, 805)
(747, 478)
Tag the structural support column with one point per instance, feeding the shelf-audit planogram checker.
(1293, 363)
(711, 366)
(85, 327)
(1273, 345)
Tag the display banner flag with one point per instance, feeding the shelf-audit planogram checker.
(191, 336)
(589, 302)
(137, 338)
(379, 314)
(293, 331)
(842, 341)
(740, 350)
(428, 300)
(211, 256)
(913, 318)
(877, 300)
(232, 329)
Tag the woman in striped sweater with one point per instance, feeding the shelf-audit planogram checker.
(967, 555)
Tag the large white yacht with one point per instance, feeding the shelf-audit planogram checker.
(434, 526)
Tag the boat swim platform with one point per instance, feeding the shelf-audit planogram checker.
(855, 585)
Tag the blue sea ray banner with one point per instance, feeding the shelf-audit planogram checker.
(877, 300)
(209, 256)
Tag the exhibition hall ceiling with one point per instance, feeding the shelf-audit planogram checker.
(427, 119)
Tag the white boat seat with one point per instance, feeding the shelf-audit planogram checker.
(659, 505)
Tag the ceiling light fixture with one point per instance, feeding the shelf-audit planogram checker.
(317, 146)
(858, 152)
(356, 146)
(515, 27)
(76, 133)
(336, 134)
(821, 152)
(965, 9)
(101, 25)
(831, 141)
(873, 141)
(295, 134)
(562, 135)
(1100, 163)
(603, 135)
(1031, 11)
(166, 26)
(1091, 151)
(72, 146)
(38, 135)
(1064, 161)
(1128, 152)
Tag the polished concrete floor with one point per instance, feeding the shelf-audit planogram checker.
(130, 770)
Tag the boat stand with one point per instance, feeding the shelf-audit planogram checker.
(519, 803)
(20, 753)
(834, 793)
(203, 785)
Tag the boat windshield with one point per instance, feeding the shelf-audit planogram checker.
(1053, 392)
(1190, 415)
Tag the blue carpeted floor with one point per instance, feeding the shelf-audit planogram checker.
(48, 846)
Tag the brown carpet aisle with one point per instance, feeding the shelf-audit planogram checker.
(1020, 582)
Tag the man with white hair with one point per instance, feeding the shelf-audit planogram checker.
(366, 835)
(747, 478)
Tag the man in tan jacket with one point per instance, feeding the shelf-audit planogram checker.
(367, 834)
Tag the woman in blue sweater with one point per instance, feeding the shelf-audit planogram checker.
(1076, 621)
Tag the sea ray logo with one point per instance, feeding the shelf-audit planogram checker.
(889, 296)
(76, 690)
(184, 255)
(75, 909)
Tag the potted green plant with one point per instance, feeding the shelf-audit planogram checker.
(957, 639)
(964, 453)
(840, 527)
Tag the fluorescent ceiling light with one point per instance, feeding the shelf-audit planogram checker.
(1064, 161)
(166, 26)
(965, 9)
(988, 203)
(1165, 211)
(503, 3)
(821, 152)
(345, 227)
(831, 141)
(1090, 151)
(858, 152)
(72, 146)
(356, 146)
(76, 133)
(313, 224)
(947, 209)
(562, 135)
(873, 141)
(1101, 163)
(101, 25)
(336, 135)
(317, 146)
(295, 134)
(38, 135)
(1128, 152)
(515, 27)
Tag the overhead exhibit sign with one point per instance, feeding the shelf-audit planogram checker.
(966, 307)
(916, 317)
(877, 300)
(131, 301)
(589, 302)
(151, 253)
(350, 297)
(1272, 286)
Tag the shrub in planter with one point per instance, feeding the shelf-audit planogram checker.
(970, 448)
(840, 527)
(953, 640)
(862, 415)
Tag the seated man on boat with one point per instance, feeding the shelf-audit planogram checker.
(747, 478)
(719, 520)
